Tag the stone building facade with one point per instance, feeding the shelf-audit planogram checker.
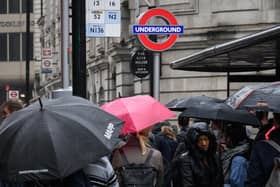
(206, 22)
(13, 47)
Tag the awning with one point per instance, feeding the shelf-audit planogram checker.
(255, 52)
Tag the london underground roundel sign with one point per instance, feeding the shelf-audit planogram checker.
(172, 29)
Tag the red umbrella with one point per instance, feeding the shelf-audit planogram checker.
(138, 112)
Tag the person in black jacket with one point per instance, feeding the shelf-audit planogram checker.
(199, 166)
(183, 123)
(262, 157)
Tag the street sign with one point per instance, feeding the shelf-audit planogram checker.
(46, 66)
(13, 94)
(172, 29)
(103, 18)
(46, 53)
(140, 63)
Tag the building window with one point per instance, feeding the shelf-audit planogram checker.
(3, 47)
(14, 6)
(24, 2)
(14, 46)
(24, 46)
(3, 6)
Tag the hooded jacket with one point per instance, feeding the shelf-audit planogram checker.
(192, 171)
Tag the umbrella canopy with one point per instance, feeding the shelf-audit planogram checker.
(261, 97)
(138, 112)
(183, 103)
(55, 139)
(220, 111)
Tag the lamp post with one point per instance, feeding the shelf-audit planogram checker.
(27, 55)
(79, 48)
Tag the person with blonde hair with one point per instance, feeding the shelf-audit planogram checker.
(137, 152)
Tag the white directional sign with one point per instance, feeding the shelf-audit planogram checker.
(13, 94)
(103, 18)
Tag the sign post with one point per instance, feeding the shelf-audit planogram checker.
(46, 64)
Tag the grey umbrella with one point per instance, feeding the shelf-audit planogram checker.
(55, 139)
(182, 103)
(265, 97)
(220, 111)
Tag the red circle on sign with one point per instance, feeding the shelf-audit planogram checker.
(13, 94)
(145, 39)
(47, 63)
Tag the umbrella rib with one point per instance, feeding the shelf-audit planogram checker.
(81, 126)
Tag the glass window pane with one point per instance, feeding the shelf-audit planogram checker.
(3, 46)
(13, 6)
(14, 46)
(3, 6)
(24, 46)
(24, 2)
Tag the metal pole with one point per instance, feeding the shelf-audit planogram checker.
(156, 69)
(79, 48)
(27, 54)
(65, 43)
(156, 75)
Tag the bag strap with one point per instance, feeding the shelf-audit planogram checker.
(147, 161)
(273, 144)
(124, 158)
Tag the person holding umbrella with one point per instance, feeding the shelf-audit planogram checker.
(137, 163)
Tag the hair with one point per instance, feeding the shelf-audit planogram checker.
(13, 105)
(261, 114)
(143, 138)
(168, 131)
(276, 119)
(236, 133)
(183, 121)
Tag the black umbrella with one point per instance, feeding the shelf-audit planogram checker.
(260, 97)
(182, 103)
(55, 139)
(220, 111)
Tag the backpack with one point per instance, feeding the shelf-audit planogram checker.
(274, 179)
(137, 175)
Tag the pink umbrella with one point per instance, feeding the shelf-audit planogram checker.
(138, 112)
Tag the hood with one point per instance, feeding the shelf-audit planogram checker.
(196, 130)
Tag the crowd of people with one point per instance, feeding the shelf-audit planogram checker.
(196, 153)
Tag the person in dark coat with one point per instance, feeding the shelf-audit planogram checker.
(262, 157)
(166, 143)
(199, 166)
(266, 125)
(183, 123)
(235, 157)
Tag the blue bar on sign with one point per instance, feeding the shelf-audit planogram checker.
(158, 29)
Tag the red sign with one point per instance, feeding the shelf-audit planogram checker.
(46, 52)
(145, 40)
(7, 87)
(47, 63)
